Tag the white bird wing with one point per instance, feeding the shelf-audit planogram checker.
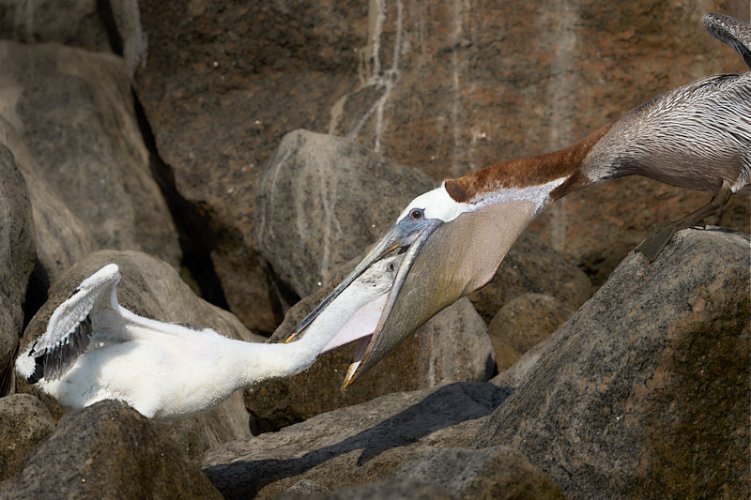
(69, 329)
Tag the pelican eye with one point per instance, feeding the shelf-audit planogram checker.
(390, 267)
(417, 214)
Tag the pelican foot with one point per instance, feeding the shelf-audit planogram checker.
(652, 246)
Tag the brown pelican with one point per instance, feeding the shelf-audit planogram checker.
(454, 237)
(95, 349)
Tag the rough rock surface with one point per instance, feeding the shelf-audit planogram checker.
(524, 322)
(74, 111)
(451, 347)
(70, 22)
(108, 447)
(61, 237)
(151, 288)
(494, 472)
(443, 473)
(368, 442)
(392, 488)
(16, 259)
(322, 200)
(24, 422)
(636, 394)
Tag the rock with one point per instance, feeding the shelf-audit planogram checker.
(532, 266)
(453, 346)
(108, 447)
(636, 393)
(524, 322)
(71, 22)
(24, 422)
(240, 76)
(495, 472)
(311, 220)
(16, 260)
(61, 237)
(151, 288)
(512, 377)
(353, 445)
(392, 488)
(74, 111)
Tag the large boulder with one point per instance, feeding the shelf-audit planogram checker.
(420, 438)
(74, 112)
(636, 394)
(16, 260)
(61, 237)
(151, 288)
(108, 447)
(24, 422)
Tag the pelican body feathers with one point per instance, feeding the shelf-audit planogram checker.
(94, 349)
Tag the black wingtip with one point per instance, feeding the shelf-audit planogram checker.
(54, 361)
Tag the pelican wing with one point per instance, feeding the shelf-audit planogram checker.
(731, 31)
(459, 257)
(69, 329)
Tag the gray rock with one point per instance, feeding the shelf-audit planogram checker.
(323, 199)
(69, 22)
(392, 488)
(74, 112)
(127, 17)
(636, 394)
(524, 322)
(61, 237)
(153, 289)
(496, 472)
(453, 346)
(352, 445)
(24, 422)
(108, 449)
(240, 76)
(16, 260)
(517, 373)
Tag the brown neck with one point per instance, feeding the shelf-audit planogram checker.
(565, 163)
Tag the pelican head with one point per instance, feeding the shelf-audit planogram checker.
(449, 248)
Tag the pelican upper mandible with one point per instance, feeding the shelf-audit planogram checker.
(95, 349)
(454, 237)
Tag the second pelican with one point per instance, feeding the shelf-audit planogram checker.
(454, 237)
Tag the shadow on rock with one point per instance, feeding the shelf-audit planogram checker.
(438, 410)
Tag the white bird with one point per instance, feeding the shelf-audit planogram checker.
(95, 349)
